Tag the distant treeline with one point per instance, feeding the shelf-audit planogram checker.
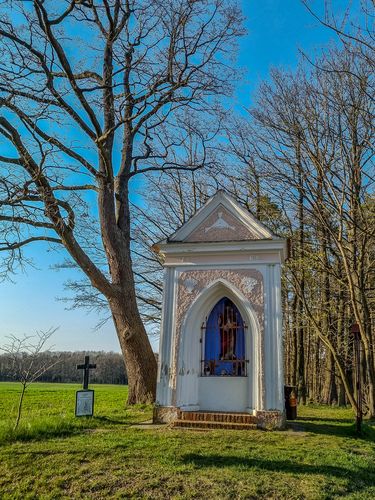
(109, 369)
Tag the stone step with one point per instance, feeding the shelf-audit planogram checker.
(209, 416)
(202, 424)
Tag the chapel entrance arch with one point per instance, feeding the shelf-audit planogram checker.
(197, 390)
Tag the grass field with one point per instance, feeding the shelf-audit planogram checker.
(55, 455)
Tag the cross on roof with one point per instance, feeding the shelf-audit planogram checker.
(86, 367)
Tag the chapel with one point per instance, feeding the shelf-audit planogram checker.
(221, 352)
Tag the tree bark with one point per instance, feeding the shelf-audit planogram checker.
(300, 309)
(330, 389)
(139, 358)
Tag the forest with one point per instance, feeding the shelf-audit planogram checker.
(62, 367)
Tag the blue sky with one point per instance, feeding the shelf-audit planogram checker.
(277, 30)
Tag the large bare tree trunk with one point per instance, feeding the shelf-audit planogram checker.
(139, 358)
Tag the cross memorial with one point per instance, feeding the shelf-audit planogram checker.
(86, 367)
(85, 397)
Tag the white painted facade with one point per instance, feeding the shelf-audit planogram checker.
(222, 251)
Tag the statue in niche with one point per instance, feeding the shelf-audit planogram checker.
(227, 329)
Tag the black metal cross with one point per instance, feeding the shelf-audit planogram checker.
(86, 367)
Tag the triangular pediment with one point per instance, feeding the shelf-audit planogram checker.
(221, 219)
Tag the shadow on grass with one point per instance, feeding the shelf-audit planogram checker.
(322, 419)
(357, 479)
(109, 420)
(343, 427)
(8, 435)
(55, 428)
(48, 428)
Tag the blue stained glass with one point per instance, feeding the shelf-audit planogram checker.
(224, 343)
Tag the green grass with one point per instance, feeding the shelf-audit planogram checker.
(55, 455)
(48, 410)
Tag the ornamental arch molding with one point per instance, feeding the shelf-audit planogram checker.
(188, 356)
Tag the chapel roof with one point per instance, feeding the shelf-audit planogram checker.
(221, 219)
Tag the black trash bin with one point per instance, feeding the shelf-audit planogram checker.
(290, 395)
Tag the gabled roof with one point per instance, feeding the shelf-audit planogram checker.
(221, 218)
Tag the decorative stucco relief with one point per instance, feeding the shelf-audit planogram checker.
(221, 225)
(189, 284)
(247, 281)
(249, 284)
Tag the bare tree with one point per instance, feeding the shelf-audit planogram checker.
(355, 30)
(165, 201)
(315, 134)
(26, 361)
(94, 94)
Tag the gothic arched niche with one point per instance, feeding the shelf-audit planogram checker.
(224, 341)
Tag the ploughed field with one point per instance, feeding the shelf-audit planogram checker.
(117, 455)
